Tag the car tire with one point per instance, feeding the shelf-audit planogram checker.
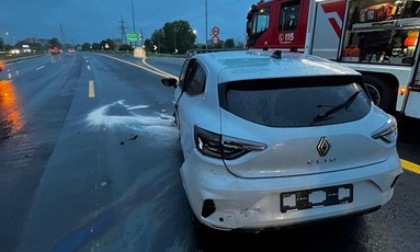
(381, 93)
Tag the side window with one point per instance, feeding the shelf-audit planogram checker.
(183, 73)
(261, 21)
(289, 16)
(195, 79)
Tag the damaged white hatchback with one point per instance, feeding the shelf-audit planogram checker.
(273, 139)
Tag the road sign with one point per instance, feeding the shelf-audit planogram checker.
(215, 31)
(133, 37)
(154, 47)
(215, 39)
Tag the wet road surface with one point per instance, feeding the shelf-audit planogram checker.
(89, 161)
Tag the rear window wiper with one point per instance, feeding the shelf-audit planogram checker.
(330, 113)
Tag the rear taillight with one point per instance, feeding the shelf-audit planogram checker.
(388, 132)
(223, 147)
(208, 143)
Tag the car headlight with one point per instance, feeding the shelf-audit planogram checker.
(388, 132)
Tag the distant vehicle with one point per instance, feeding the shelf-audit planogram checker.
(26, 49)
(71, 50)
(54, 49)
(15, 51)
(271, 139)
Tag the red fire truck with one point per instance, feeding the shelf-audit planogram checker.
(375, 37)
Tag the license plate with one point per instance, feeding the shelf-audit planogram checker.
(320, 197)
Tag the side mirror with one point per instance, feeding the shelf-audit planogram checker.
(169, 82)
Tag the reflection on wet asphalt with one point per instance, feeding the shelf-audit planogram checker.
(11, 120)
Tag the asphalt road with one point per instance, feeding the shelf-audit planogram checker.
(89, 161)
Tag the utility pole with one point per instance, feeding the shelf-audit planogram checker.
(63, 39)
(175, 30)
(134, 22)
(122, 27)
(206, 24)
(132, 10)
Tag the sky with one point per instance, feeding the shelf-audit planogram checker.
(94, 20)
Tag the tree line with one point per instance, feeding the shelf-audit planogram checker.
(176, 37)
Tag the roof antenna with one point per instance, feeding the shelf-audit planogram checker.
(276, 54)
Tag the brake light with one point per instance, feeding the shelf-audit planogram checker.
(388, 132)
(223, 147)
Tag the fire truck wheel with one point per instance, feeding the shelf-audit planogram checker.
(380, 93)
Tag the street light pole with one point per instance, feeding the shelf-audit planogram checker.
(206, 24)
(175, 38)
(134, 22)
(132, 11)
(4, 41)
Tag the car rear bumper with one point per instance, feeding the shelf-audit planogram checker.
(224, 201)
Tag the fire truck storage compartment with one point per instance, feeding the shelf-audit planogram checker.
(382, 32)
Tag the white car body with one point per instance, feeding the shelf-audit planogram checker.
(289, 174)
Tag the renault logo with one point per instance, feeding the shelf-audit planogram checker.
(323, 146)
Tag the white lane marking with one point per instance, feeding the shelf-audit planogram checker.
(160, 73)
(39, 68)
(10, 75)
(88, 67)
(157, 69)
(91, 89)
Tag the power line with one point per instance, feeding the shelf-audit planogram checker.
(63, 39)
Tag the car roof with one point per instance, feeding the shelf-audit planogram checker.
(259, 64)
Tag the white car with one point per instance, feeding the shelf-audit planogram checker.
(272, 139)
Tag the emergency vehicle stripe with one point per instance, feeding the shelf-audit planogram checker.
(335, 26)
(338, 7)
(335, 13)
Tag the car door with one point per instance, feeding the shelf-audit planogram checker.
(190, 103)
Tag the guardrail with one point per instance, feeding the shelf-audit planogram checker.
(13, 58)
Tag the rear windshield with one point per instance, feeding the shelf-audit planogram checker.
(297, 102)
